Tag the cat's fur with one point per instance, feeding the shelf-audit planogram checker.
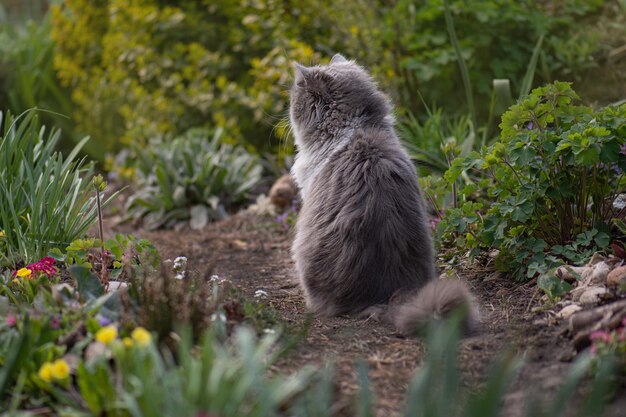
(362, 234)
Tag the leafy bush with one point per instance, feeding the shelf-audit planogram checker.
(551, 181)
(28, 79)
(150, 68)
(192, 177)
(45, 198)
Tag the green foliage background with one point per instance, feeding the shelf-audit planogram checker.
(140, 69)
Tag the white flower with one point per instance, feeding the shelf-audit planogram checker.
(216, 279)
(179, 263)
(218, 317)
(261, 294)
(179, 275)
(269, 331)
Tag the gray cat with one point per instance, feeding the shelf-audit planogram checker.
(362, 234)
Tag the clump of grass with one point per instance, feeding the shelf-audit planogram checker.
(45, 198)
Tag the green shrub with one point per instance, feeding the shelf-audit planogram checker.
(193, 177)
(28, 78)
(550, 180)
(45, 198)
(148, 68)
(408, 49)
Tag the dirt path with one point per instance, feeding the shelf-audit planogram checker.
(254, 254)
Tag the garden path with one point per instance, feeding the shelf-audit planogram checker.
(253, 252)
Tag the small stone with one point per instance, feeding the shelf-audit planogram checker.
(596, 259)
(592, 295)
(570, 273)
(617, 276)
(283, 192)
(117, 285)
(577, 292)
(566, 312)
(596, 274)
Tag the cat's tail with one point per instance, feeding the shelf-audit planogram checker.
(436, 300)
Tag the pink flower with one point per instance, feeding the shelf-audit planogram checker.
(594, 349)
(44, 266)
(600, 335)
(11, 320)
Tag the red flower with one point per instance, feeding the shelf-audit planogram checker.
(44, 266)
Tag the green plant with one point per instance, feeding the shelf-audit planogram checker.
(551, 181)
(22, 286)
(25, 344)
(29, 80)
(611, 343)
(119, 255)
(194, 177)
(436, 141)
(150, 68)
(45, 199)
(209, 378)
(164, 67)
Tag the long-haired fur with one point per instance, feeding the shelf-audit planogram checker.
(362, 234)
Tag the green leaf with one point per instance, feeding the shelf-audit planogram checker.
(602, 240)
(88, 284)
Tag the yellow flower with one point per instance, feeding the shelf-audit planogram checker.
(24, 273)
(60, 369)
(141, 336)
(106, 334)
(1, 233)
(45, 372)
(128, 342)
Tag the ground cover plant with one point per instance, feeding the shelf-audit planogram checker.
(194, 177)
(545, 191)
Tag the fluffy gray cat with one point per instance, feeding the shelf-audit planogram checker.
(362, 234)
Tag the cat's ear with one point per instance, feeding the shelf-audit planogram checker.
(338, 59)
(301, 74)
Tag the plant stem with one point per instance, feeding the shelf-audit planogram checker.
(99, 206)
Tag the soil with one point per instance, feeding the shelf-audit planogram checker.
(253, 253)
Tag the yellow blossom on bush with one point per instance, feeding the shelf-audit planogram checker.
(24, 273)
(141, 336)
(45, 372)
(128, 342)
(60, 369)
(106, 334)
(1, 233)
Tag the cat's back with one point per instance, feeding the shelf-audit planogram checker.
(363, 225)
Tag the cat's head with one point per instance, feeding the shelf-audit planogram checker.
(333, 97)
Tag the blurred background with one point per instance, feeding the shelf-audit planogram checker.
(134, 72)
